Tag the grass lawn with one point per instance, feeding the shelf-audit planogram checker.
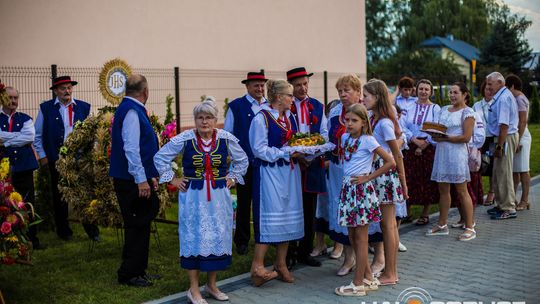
(66, 272)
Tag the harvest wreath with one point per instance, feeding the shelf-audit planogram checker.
(84, 169)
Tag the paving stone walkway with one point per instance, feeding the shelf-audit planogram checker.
(501, 264)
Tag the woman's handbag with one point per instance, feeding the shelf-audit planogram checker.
(486, 164)
(475, 159)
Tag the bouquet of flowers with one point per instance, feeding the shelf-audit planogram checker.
(4, 97)
(169, 132)
(15, 218)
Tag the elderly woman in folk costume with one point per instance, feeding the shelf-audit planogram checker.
(205, 213)
(349, 89)
(277, 192)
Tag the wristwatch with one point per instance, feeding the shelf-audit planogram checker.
(498, 147)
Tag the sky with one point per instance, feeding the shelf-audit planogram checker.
(531, 10)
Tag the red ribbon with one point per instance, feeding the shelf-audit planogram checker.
(305, 112)
(208, 175)
(70, 111)
(10, 123)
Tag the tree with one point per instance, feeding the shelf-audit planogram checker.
(395, 30)
(419, 64)
(506, 45)
(465, 20)
(382, 36)
(534, 116)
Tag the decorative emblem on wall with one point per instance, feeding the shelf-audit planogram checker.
(112, 80)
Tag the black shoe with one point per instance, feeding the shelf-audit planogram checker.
(504, 215)
(310, 262)
(38, 246)
(66, 237)
(242, 249)
(494, 210)
(152, 277)
(139, 281)
(290, 261)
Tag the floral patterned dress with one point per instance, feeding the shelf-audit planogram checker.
(387, 186)
(358, 203)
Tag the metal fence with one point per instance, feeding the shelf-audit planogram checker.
(33, 84)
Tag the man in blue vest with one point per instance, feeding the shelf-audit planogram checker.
(54, 122)
(310, 118)
(134, 145)
(237, 121)
(16, 136)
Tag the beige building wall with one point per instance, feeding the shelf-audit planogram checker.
(215, 41)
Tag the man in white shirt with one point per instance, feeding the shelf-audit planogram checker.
(54, 123)
(16, 138)
(503, 124)
(238, 121)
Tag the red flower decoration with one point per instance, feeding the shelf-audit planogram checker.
(8, 189)
(288, 135)
(314, 119)
(171, 188)
(8, 261)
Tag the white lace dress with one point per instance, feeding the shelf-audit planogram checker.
(451, 159)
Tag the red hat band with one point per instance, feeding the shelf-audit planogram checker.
(297, 74)
(255, 77)
(62, 81)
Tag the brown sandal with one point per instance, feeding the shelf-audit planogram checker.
(422, 220)
(260, 276)
(523, 205)
(284, 276)
(489, 202)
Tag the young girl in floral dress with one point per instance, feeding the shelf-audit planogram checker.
(358, 205)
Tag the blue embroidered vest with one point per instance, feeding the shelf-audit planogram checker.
(53, 126)
(243, 115)
(334, 136)
(276, 137)
(20, 158)
(318, 110)
(193, 162)
(314, 176)
(148, 143)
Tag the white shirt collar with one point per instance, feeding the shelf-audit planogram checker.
(501, 90)
(298, 100)
(135, 100)
(253, 100)
(72, 101)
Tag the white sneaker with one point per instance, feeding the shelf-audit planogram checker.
(402, 247)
